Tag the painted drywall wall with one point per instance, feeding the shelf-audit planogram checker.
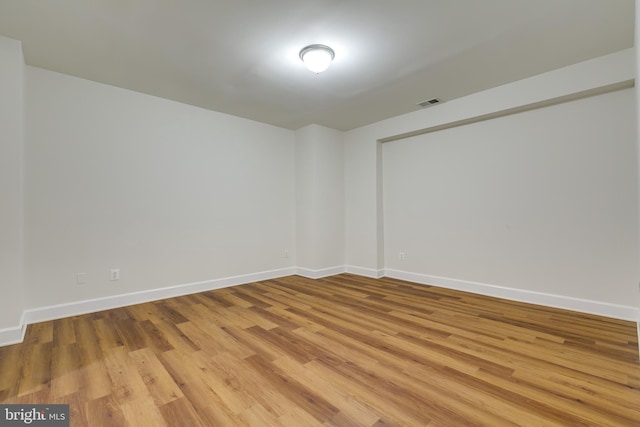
(363, 234)
(168, 193)
(544, 200)
(11, 146)
(636, 51)
(319, 199)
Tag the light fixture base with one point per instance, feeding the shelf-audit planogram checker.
(317, 47)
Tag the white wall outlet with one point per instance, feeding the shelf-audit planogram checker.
(286, 254)
(114, 274)
(401, 256)
(81, 278)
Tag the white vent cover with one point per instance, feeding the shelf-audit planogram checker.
(429, 102)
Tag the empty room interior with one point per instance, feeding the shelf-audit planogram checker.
(439, 228)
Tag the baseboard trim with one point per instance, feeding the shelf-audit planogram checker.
(615, 311)
(365, 272)
(60, 311)
(13, 335)
(319, 274)
(16, 334)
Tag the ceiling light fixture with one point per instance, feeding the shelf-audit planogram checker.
(317, 57)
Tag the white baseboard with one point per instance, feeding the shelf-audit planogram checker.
(615, 311)
(13, 335)
(319, 274)
(365, 272)
(16, 334)
(53, 312)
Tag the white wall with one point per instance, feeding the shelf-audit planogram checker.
(363, 232)
(319, 199)
(363, 216)
(169, 193)
(636, 51)
(543, 201)
(11, 170)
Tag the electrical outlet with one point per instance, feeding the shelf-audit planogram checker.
(286, 254)
(81, 278)
(114, 274)
(401, 256)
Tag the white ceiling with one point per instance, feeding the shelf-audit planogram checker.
(241, 56)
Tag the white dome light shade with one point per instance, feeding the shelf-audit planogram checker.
(317, 57)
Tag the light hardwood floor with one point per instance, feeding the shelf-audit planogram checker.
(341, 351)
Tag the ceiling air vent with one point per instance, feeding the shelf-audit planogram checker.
(429, 102)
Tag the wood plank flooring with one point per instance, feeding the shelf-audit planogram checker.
(340, 351)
